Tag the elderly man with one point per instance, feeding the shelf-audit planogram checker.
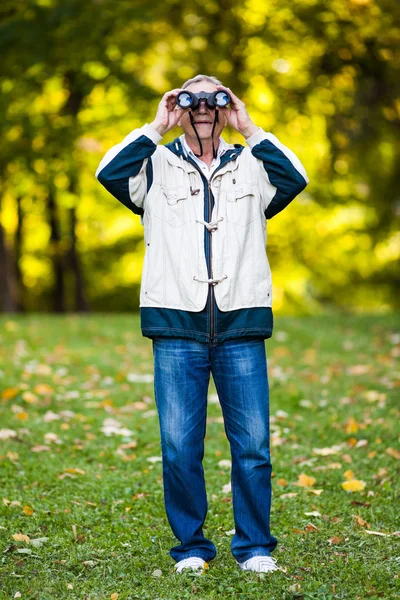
(205, 300)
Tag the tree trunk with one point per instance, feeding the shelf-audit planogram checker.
(57, 255)
(7, 281)
(18, 255)
(81, 304)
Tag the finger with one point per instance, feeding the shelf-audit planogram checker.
(234, 98)
(172, 93)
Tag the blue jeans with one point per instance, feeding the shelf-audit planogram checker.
(181, 378)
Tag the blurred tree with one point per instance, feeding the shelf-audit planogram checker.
(323, 75)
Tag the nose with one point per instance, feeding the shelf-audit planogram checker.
(202, 107)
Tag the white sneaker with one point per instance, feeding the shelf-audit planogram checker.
(195, 562)
(260, 564)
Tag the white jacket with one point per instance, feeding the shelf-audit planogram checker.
(182, 260)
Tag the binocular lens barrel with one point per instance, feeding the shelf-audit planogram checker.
(188, 99)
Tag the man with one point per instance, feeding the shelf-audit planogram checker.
(205, 301)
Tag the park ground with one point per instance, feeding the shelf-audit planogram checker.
(81, 504)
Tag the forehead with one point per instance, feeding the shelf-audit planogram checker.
(202, 86)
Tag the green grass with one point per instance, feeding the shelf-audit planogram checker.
(333, 382)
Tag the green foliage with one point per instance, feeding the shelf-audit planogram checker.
(322, 75)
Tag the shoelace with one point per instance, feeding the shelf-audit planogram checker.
(212, 225)
(192, 561)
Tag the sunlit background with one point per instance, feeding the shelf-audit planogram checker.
(77, 77)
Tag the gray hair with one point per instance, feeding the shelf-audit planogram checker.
(209, 78)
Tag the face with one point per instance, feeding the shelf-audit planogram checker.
(202, 115)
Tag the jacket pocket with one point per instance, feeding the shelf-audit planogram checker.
(172, 206)
(240, 205)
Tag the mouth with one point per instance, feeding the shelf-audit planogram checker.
(203, 123)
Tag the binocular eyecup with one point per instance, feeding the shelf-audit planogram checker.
(217, 99)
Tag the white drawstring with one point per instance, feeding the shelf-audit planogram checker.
(210, 281)
(212, 225)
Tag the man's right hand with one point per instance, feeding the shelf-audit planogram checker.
(168, 113)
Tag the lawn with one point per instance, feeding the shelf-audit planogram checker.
(82, 510)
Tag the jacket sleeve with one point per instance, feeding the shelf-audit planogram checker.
(126, 169)
(285, 175)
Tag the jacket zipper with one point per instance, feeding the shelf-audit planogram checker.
(210, 238)
(211, 269)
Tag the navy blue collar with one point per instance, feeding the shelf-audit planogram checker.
(176, 148)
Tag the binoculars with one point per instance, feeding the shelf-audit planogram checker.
(218, 99)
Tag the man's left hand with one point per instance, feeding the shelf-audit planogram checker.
(237, 115)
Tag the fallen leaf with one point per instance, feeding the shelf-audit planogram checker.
(38, 542)
(328, 451)
(335, 540)
(377, 533)
(10, 393)
(351, 425)
(282, 482)
(227, 488)
(154, 459)
(22, 415)
(311, 527)
(29, 397)
(43, 389)
(305, 480)
(20, 537)
(72, 470)
(358, 369)
(360, 521)
(40, 449)
(114, 596)
(288, 495)
(157, 573)
(313, 513)
(353, 485)
(393, 452)
(349, 475)
(6, 434)
(315, 492)
(28, 510)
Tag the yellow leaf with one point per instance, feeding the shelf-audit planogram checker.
(44, 389)
(28, 510)
(71, 470)
(6, 501)
(305, 480)
(360, 521)
(353, 485)
(29, 397)
(315, 492)
(393, 452)
(22, 416)
(371, 454)
(282, 482)
(349, 475)
(9, 393)
(12, 455)
(351, 426)
(20, 537)
(114, 596)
